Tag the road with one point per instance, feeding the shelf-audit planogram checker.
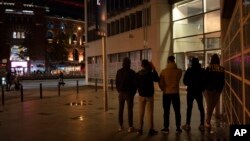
(31, 84)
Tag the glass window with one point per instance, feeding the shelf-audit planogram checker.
(247, 66)
(247, 94)
(188, 44)
(246, 7)
(148, 16)
(134, 56)
(18, 36)
(127, 23)
(237, 86)
(236, 66)
(132, 21)
(180, 60)
(50, 25)
(113, 58)
(108, 29)
(117, 27)
(210, 5)
(49, 35)
(186, 9)
(187, 27)
(235, 46)
(212, 21)
(146, 54)
(14, 35)
(139, 19)
(209, 55)
(212, 40)
(247, 34)
(122, 25)
(112, 28)
(22, 35)
(122, 56)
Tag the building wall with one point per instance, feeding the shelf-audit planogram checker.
(236, 60)
(151, 42)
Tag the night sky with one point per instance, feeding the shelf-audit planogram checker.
(63, 8)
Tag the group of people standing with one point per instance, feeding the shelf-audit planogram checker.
(196, 78)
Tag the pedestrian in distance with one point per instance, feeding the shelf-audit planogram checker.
(145, 79)
(214, 83)
(61, 78)
(194, 79)
(126, 87)
(9, 80)
(169, 84)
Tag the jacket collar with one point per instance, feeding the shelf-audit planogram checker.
(171, 65)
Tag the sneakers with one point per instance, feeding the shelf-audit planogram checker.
(131, 129)
(152, 132)
(186, 127)
(178, 130)
(121, 128)
(202, 128)
(165, 130)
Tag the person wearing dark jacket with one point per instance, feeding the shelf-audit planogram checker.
(214, 83)
(126, 87)
(194, 79)
(145, 79)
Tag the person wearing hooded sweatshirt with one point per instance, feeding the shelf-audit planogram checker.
(214, 83)
(145, 79)
(169, 84)
(194, 79)
(126, 87)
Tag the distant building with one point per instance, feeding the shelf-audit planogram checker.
(27, 34)
(70, 33)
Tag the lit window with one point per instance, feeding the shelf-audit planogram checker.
(14, 35)
(18, 35)
(22, 35)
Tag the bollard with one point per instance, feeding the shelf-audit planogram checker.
(2, 95)
(96, 84)
(77, 87)
(41, 91)
(59, 91)
(21, 93)
(112, 84)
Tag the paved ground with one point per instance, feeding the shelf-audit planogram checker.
(72, 117)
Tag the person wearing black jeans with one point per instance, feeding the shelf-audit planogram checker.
(126, 87)
(169, 84)
(194, 79)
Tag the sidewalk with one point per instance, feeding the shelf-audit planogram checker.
(72, 117)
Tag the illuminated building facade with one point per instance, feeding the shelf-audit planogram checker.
(27, 34)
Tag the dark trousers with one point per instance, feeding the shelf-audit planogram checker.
(129, 98)
(175, 99)
(199, 99)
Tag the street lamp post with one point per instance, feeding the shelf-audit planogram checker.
(102, 26)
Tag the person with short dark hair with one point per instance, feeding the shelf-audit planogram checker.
(194, 79)
(126, 87)
(169, 84)
(214, 84)
(145, 79)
